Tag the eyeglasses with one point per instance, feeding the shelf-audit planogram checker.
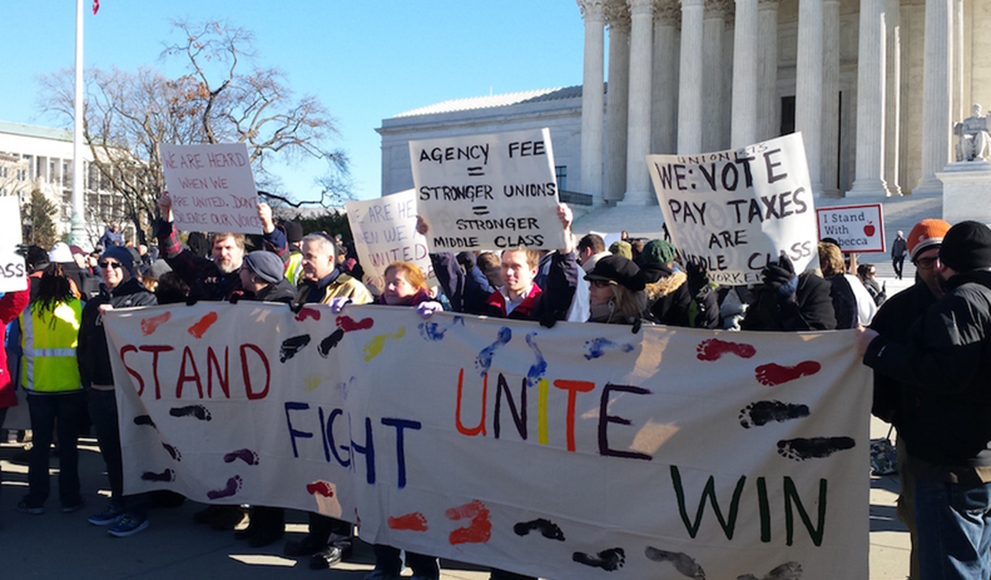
(104, 264)
(926, 263)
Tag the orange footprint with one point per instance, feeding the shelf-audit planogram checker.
(198, 329)
(150, 325)
(480, 529)
(415, 522)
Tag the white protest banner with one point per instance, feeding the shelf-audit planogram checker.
(384, 232)
(488, 192)
(563, 453)
(856, 228)
(13, 272)
(212, 187)
(734, 211)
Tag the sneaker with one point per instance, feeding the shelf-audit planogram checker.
(326, 557)
(106, 517)
(24, 507)
(127, 525)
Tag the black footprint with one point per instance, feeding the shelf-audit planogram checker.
(609, 560)
(198, 411)
(763, 412)
(682, 562)
(814, 447)
(167, 475)
(291, 346)
(786, 571)
(330, 342)
(145, 420)
(176, 456)
(547, 528)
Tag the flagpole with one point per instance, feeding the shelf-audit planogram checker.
(77, 234)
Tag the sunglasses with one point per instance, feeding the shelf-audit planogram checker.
(105, 264)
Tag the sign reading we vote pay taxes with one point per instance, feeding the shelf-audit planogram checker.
(487, 192)
(211, 187)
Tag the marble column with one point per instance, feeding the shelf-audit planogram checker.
(664, 88)
(593, 99)
(961, 108)
(936, 95)
(713, 98)
(690, 78)
(745, 56)
(638, 126)
(830, 98)
(870, 102)
(892, 95)
(767, 70)
(617, 96)
(808, 86)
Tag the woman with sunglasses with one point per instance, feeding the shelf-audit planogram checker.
(120, 289)
(617, 293)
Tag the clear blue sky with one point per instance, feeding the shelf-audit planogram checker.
(366, 60)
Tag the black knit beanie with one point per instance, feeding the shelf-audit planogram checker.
(966, 247)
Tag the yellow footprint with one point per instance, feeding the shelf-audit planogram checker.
(311, 382)
(374, 346)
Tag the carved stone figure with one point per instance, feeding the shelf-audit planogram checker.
(974, 137)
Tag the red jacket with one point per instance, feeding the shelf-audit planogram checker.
(11, 306)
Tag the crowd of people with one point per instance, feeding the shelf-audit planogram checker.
(929, 346)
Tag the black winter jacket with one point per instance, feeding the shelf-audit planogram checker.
(92, 350)
(809, 308)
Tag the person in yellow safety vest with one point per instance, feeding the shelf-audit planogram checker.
(50, 374)
(294, 266)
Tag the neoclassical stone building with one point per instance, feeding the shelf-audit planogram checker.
(873, 85)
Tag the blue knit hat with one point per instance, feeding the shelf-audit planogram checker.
(122, 255)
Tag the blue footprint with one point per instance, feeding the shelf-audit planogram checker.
(538, 368)
(430, 330)
(598, 347)
(484, 359)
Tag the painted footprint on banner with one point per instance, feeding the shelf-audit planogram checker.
(292, 345)
(484, 359)
(311, 383)
(599, 346)
(328, 344)
(786, 571)
(431, 330)
(150, 325)
(712, 349)
(814, 447)
(246, 455)
(204, 324)
(196, 411)
(172, 451)
(683, 563)
(141, 420)
(547, 529)
(348, 324)
(539, 367)
(375, 345)
(414, 522)
(325, 494)
(305, 313)
(167, 475)
(609, 560)
(478, 531)
(763, 412)
(233, 486)
(773, 374)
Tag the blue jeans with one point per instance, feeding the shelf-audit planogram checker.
(69, 409)
(103, 414)
(954, 527)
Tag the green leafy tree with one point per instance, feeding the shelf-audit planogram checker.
(36, 217)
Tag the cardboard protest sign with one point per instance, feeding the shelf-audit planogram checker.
(384, 232)
(856, 228)
(563, 453)
(13, 272)
(488, 192)
(734, 211)
(212, 187)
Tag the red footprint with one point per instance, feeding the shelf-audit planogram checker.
(305, 313)
(773, 374)
(150, 325)
(414, 522)
(713, 348)
(319, 487)
(480, 529)
(201, 327)
(347, 324)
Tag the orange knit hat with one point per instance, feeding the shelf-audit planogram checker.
(926, 234)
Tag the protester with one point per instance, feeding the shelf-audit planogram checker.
(899, 248)
(852, 303)
(490, 265)
(617, 296)
(947, 361)
(893, 400)
(590, 248)
(126, 515)
(621, 248)
(50, 330)
(868, 277)
(111, 237)
(789, 301)
(670, 297)
(11, 306)
(294, 265)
